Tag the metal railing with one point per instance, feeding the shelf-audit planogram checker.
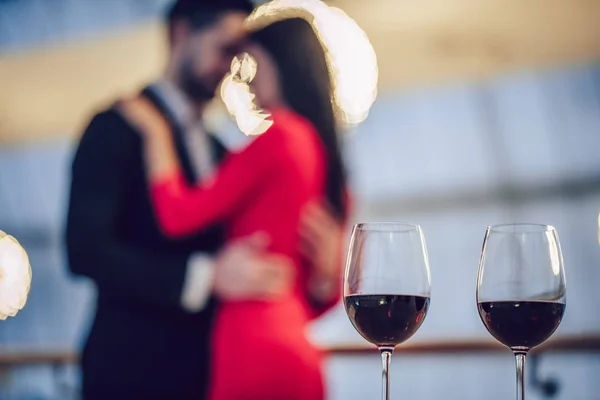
(548, 388)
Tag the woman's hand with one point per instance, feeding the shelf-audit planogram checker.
(142, 115)
(159, 149)
(321, 238)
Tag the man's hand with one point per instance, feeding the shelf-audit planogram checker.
(245, 271)
(321, 240)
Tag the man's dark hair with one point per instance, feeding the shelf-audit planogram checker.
(200, 14)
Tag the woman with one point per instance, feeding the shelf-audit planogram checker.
(260, 351)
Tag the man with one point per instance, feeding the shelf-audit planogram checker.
(156, 297)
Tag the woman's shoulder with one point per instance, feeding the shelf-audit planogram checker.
(294, 134)
(289, 131)
(285, 119)
(292, 128)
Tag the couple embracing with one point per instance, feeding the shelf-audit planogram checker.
(210, 264)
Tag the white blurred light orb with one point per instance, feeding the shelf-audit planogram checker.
(351, 57)
(353, 62)
(239, 101)
(15, 276)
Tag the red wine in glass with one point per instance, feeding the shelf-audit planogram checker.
(386, 320)
(521, 325)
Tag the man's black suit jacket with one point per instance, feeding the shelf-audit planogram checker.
(142, 344)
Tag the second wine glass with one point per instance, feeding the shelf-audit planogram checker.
(521, 288)
(387, 286)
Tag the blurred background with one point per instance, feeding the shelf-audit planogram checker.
(488, 112)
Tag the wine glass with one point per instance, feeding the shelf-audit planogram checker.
(521, 288)
(387, 285)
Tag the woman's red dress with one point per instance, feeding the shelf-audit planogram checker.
(260, 349)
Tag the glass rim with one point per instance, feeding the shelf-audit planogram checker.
(521, 228)
(387, 226)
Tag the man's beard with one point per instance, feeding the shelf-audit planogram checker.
(194, 87)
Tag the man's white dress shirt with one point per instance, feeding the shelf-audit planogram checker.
(200, 272)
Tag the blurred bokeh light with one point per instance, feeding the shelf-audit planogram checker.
(15, 276)
(352, 62)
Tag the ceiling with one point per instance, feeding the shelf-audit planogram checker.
(49, 90)
(428, 41)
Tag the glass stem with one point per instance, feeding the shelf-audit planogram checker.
(386, 358)
(520, 358)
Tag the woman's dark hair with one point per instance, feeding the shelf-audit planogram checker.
(306, 85)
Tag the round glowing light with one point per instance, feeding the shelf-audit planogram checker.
(243, 70)
(354, 64)
(15, 276)
(352, 61)
(238, 99)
